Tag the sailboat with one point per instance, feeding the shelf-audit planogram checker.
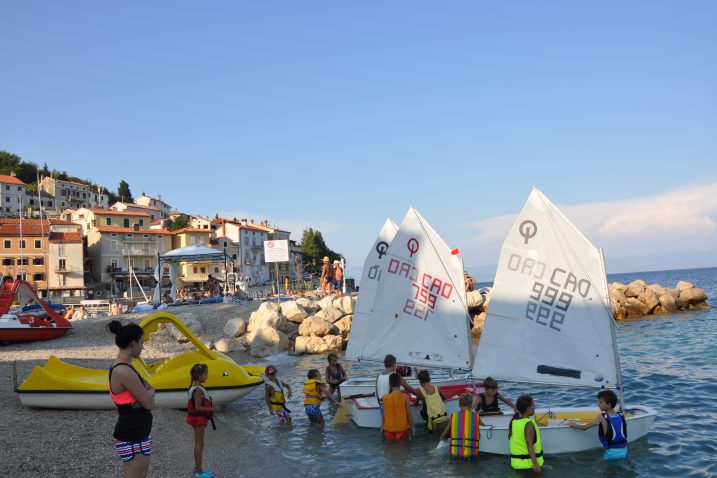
(416, 312)
(550, 323)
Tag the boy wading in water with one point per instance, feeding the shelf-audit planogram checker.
(314, 392)
(397, 419)
(612, 430)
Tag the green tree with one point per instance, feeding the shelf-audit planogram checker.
(9, 162)
(313, 250)
(180, 223)
(124, 192)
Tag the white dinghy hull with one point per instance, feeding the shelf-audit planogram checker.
(367, 385)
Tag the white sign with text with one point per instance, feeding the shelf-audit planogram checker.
(276, 251)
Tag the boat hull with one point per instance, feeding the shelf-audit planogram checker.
(367, 385)
(556, 435)
(102, 401)
(31, 334)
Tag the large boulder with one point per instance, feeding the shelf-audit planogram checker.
(293, 311)
(618, 286)
(192, 324)
(700, 305)
(315, 326)
(474, 299)
(228, 345)
(266, 341)
(317, 345)
(617, 295)
(692, 295)
(667, 303)
(330, 314)
(683, 284)
(267, 315)
(333, 342)
(657, 288)
(635, 308)
(635, 288)
(327, 301)
(649, 298)
(478, 322)
(308, 305)
(618, 311)
(344, 325)
(235, 327)
(345, 304)
(292, 330)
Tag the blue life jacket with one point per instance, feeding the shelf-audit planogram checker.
(616, 434)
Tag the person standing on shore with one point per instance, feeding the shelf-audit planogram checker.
(338, 278)
(134, 398)
(199, 413)
(327, 275)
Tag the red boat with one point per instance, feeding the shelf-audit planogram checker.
(40, 324)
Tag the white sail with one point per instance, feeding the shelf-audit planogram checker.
(419, 313)
(549, 319)
(372, 270)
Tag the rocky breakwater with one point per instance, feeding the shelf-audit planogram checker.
(477, 304)
(638, 299)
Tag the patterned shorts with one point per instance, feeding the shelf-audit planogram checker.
(128, 450)
(313, 410)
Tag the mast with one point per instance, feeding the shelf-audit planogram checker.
(618, 368)
(42, 232)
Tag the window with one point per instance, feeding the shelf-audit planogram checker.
(216, 270)
(203, 270)
(234, 256)
(7, 199)
(146, 236)
(160, 246)
(38, 261)
(141, 222)
(38, 244)
(129, 236)
(125, 221)
(63, 280)
(38, 276)
(22, 243)
(61, 249)
(114, 263)
(114, 246)
(159, 236)
(23, 261)
(63, 203)
(32, 202)
(7, 244)
(7, 188)
(108, 221)
(21, 276)
(225, 243)
(61, 265)
(147, 265)
(201, 239)
(195, 269)
(19, 189)
(114, 234)
(49, 204)
(8, 261)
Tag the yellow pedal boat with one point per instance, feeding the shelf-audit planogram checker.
(61, 385)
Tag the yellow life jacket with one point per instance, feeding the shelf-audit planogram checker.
(311, 393)
(395, 417)
(435, 410)
(277, 399)
(519, 456)
(465, 434)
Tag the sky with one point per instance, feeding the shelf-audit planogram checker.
(337, 115)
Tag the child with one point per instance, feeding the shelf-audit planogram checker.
(274, 395)
(526, 446)
(335, 375)
(613, 427)
(199, 412)
(434, 411)
(396, 416)
(464, 430)
(488, 402)
(315, 390)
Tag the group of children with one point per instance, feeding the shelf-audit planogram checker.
(462, 428)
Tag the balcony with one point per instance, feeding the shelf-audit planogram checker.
(64, 269)
(123, 272)
(137, 251)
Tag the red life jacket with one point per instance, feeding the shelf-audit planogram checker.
(194, 417)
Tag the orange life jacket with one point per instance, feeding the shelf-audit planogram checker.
(395, 416)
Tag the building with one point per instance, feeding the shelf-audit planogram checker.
(89, 218)
(153, 212)
(122, 257)
(12, 195)
(194, 275)
(156, 203)
(47, 254)
(248, 239)
(71, 194)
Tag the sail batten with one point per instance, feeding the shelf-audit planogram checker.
(547, 315)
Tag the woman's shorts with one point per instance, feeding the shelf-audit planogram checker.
(395, 435)
(128, 450)
(615, 453)
(313, 410)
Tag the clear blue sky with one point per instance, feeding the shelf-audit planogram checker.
(339, 114)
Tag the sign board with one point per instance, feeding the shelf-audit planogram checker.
(276, 251)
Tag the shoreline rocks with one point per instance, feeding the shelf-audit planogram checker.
(638, 299)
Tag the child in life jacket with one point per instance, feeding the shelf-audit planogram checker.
(314, 391)
(434, 411)
(397, 420)
(464, 430)
(275, 397)
(199, 413)
(612, 430)
(487, 401)
(335, 374)
(526, 445)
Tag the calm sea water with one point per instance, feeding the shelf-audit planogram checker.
(668, 363)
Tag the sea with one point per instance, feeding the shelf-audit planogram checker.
(669, 362)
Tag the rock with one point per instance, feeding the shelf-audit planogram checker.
(191, 323)
(235, 327)
(649, 298)
(700, 305)
(345, 304)
(657, 288)
(682, 285)
(327, 301)
(486, 301)
(474, 299)
(330, 314)
(344, 326)
(209, 344)
(266, 341)
(333, 342)
(478, 322)
(659, 310)
(293, 311)
(667, 303)
(309, 306)
(618, 286)
(618, 311)
(693, 295)
(635, 288)
(310, 345)
(265, 317)
(292, 330)
(635, 308)
(618, 296)
(225, 345)
(315, 326)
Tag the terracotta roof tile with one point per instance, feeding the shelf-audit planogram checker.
(10, 180)
(65, 237)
